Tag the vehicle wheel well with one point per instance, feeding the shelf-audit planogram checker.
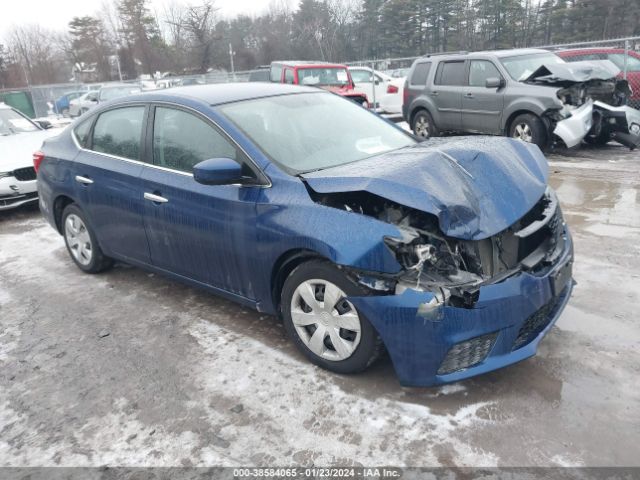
(284, 266)
(512, 117)
(414, 112)
(59, 204)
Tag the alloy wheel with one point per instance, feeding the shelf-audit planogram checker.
(325, 321)
(523, 132)
(422, 127)
(78, 239)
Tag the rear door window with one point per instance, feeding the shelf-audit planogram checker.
(420, 74)
(82, 132)
(450, 73)
(119, 132)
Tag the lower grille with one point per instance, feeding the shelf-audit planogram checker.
(467, 354)
(25, 174)
(537, 322)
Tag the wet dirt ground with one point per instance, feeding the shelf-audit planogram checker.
(128, 368)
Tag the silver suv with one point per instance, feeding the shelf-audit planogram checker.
(497, 93)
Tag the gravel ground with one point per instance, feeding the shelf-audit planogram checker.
(128, 368)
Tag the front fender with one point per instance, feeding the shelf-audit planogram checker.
(287, 219)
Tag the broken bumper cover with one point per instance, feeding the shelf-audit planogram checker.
(431, 343)
(574, 128)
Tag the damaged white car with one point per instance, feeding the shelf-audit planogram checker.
(530, 94)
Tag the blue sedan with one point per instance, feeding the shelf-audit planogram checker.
(451, 255)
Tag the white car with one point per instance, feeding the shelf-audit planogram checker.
(388, 89)
(366, 80)
(391, 101)
(20, 137)
(108, 92)
(82, 104)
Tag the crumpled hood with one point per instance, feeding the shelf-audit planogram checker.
(574, 72)
(16, 151)
(476, 186)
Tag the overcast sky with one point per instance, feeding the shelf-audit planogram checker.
(55, 14)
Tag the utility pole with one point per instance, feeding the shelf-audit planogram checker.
(231, 54)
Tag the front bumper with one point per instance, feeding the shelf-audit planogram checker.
(573, 129)
(14, 193)
(507, 323)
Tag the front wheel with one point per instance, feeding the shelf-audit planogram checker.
(529, 128)
(323, 324)
(81, 242)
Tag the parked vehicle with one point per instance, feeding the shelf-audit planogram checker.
(61, 105)
(617, 56)
(391, 101)
(529, 94)
(369, 83)
(109, 92)
(329, 76)
(452, 255)
(19, 138)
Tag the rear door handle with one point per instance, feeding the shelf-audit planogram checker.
(434, 94)
(83, 180)
(155, 198)
(469, 95)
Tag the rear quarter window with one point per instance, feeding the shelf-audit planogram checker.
(420, 74)
(82, 131)
(450, 73)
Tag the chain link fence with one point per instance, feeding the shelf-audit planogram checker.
(624, 52)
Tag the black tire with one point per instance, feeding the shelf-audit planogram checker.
(370, 346)
(602, 138)
(424, 118)
(533, 126)
(98, 262)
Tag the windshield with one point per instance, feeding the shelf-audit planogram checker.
(313, 131)
(522, 66)
(111, 93)
(323, 76)
(12, 122)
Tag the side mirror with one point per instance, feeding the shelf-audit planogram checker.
(218, 171)
(46, 124)
(495, 82)
(377, 82)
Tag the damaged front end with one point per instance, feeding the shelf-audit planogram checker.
(594, 103)
(455, 269)
(463, 307)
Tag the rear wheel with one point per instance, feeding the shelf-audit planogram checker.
(423, 125)
(323, 324)
(81, 242)
(529, 128)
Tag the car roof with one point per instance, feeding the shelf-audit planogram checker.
(216, 94)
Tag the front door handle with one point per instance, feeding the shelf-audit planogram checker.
(83, 180)
(155, 198)
(434, 94)
(469, 95)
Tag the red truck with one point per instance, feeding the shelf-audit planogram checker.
(329, 76)
(617, 56)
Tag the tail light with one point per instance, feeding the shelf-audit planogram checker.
(37, 160)
(392, 89)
